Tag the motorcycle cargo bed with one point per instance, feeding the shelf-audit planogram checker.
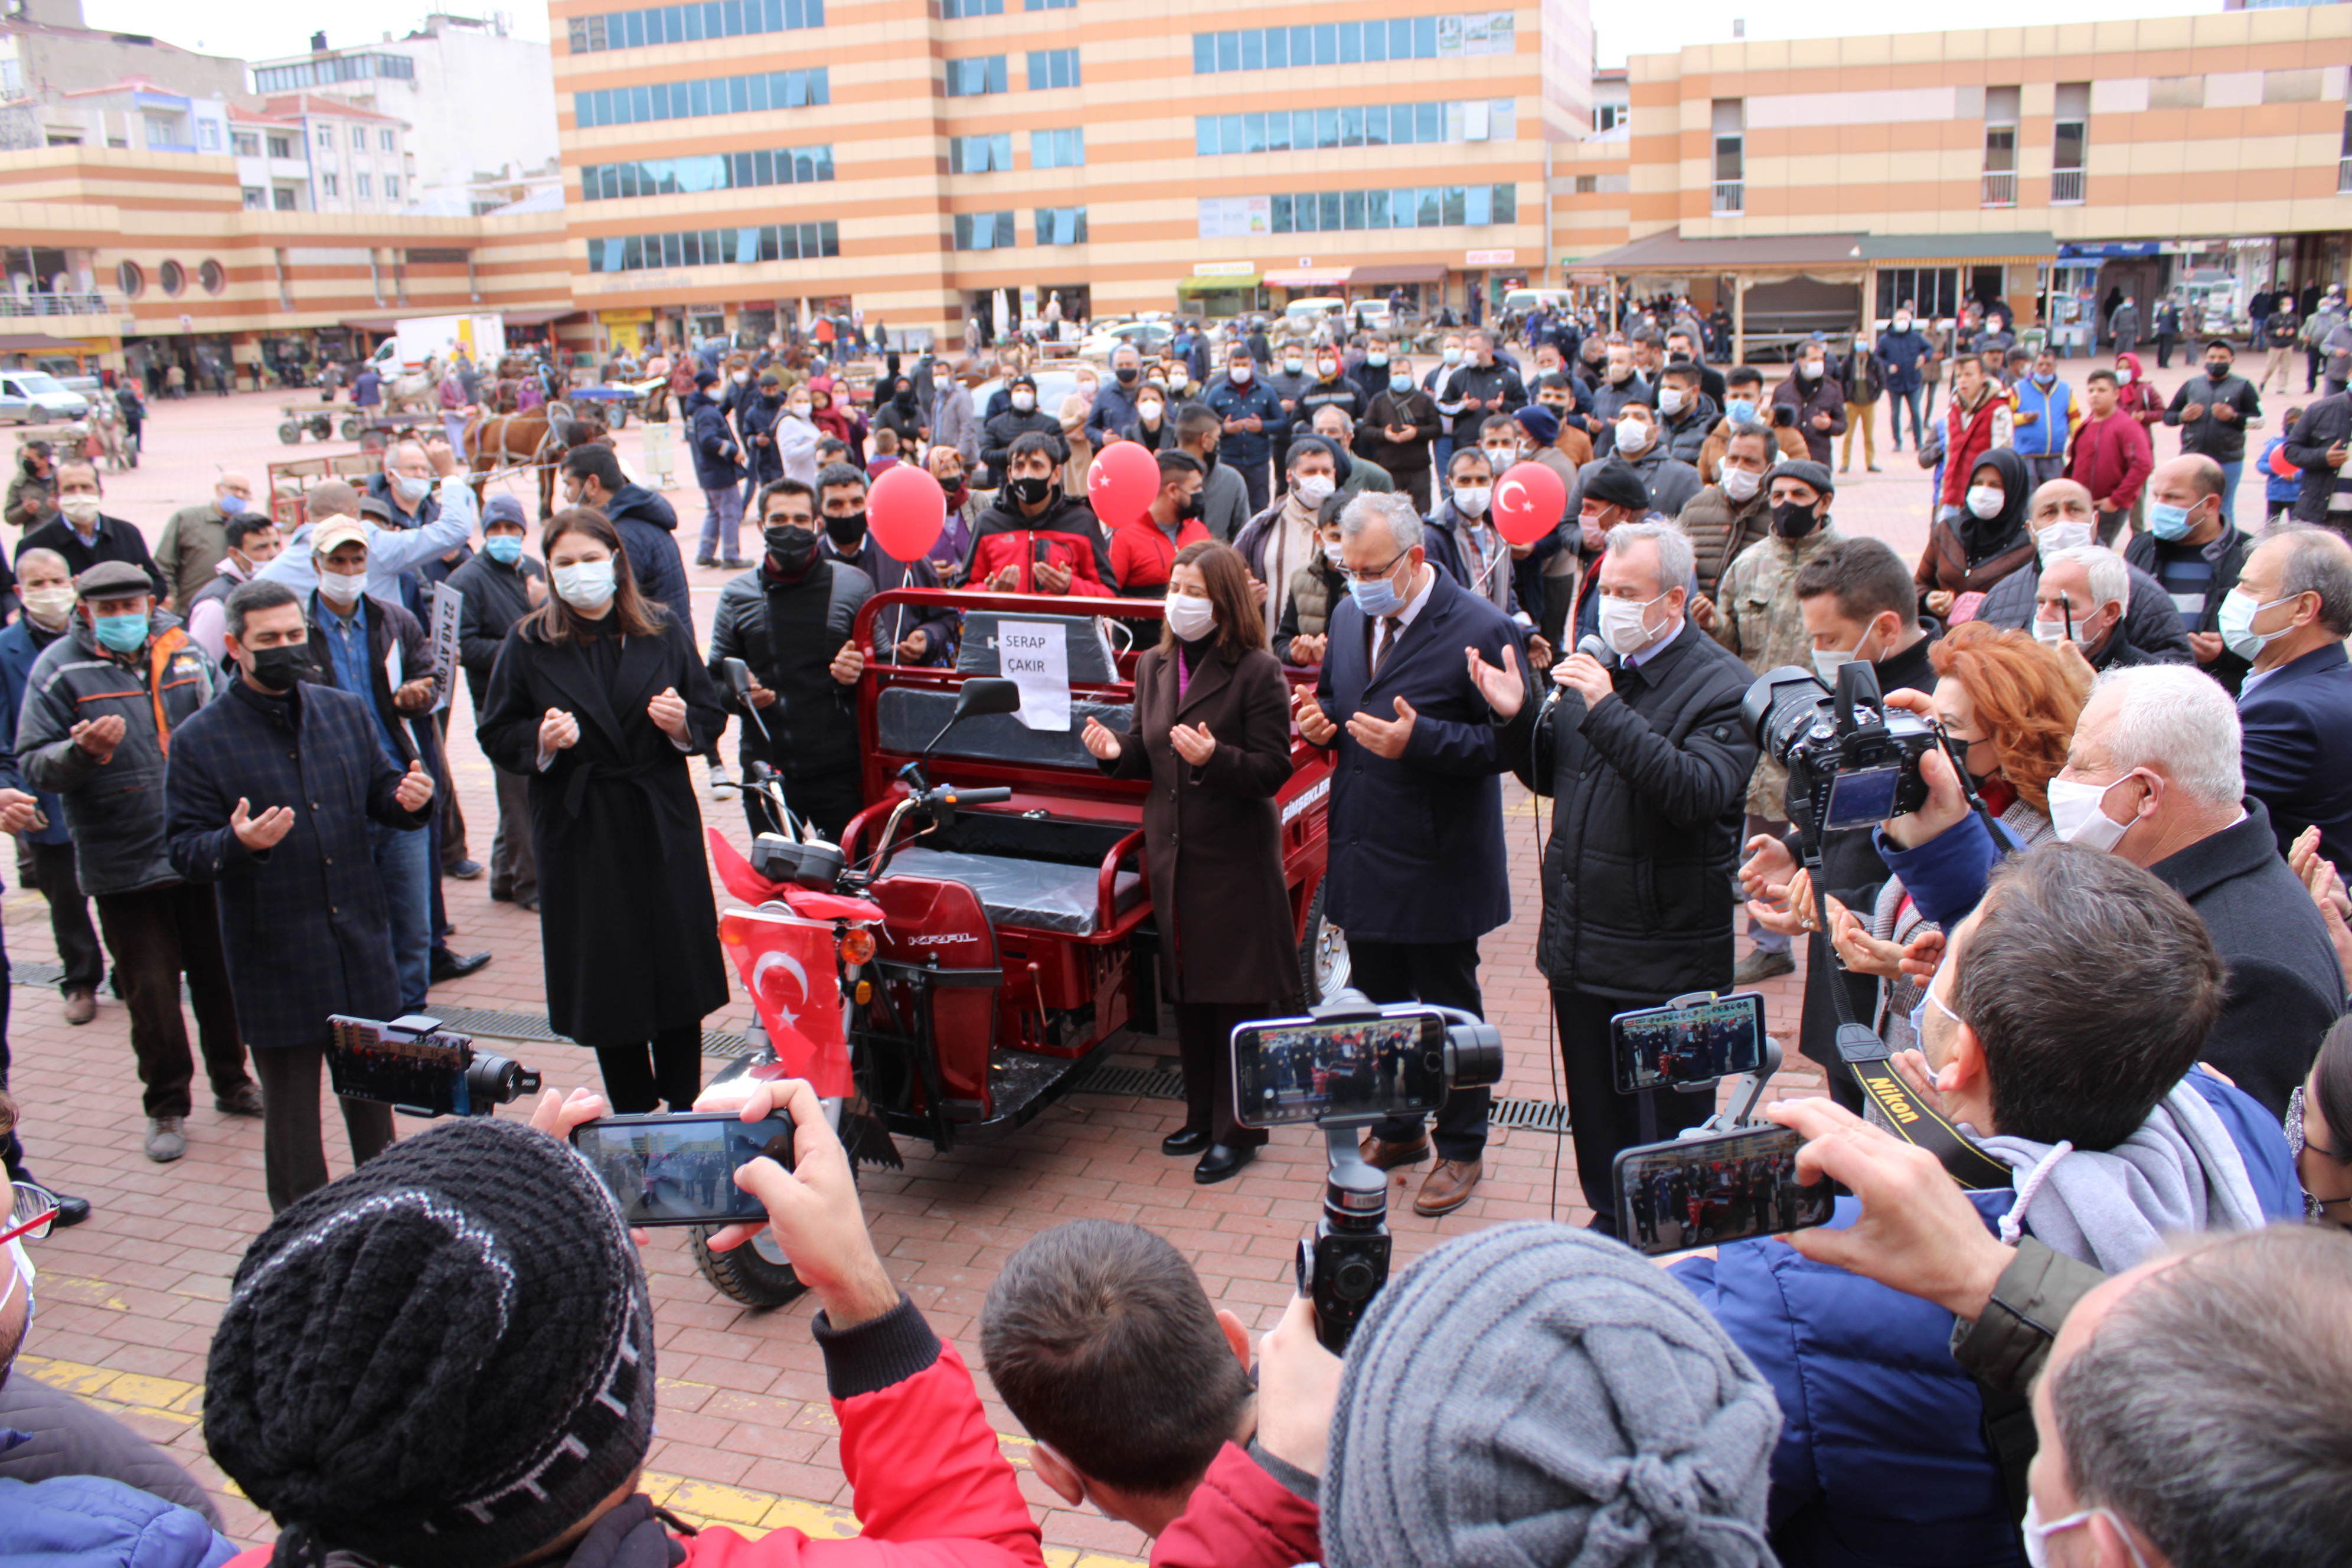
(1037, 895)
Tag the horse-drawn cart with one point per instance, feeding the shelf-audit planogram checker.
(318, 421)
(290, 481)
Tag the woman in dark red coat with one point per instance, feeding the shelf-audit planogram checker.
(1211, 731)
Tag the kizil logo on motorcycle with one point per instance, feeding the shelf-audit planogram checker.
(940, 938)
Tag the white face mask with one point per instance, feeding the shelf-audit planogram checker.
(1471, 500)
(1148, 408)
(799, 410)
(2076, 813)
(1902, 323)
(341, 590)
(50, 606)
(80, 508)
(2063, 534)
(1315, 488)
(1334, 552)
(1669, 400)
(1741, 485)
(1025, 401)
(1191, 617)
(1623, 625)
(1985, 501)
(587, 584)
(1633, 435)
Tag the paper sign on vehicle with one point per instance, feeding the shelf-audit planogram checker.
(1035, 656)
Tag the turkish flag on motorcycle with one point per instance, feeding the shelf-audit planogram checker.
(787, 965)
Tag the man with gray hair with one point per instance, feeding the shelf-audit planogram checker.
(2153, 775)
(2083, 597)
(1647, 760)
(1416, 819)
(2291, 612)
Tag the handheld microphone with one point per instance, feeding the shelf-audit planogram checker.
(1594, 648)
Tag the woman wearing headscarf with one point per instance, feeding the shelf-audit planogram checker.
(1987, 541)
(838, 416)
(899, 414)
(598, 698)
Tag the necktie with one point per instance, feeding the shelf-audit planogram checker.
(1390, 628)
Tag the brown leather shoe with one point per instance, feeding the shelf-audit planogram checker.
(1381, 1155)
(81, 1005)
(1449, 1186)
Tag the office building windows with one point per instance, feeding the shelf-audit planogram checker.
(975, 76)
(1374, 125)
(1048, 5)
(1332, 212)
(692, 23)
(690, 99)
(708, 171)
(957, 10)
(980, 154)
(714, 248)
(1052, 68)
(1351, 43)
(326, 70)
(1061, 225)
(1057, 149)
(983, 231)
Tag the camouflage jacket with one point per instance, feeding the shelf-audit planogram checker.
(1757, 617)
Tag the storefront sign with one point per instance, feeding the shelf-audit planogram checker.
(1224, 269)
(1490, 257)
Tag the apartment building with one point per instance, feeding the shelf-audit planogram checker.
(359, 159)
(740, 161)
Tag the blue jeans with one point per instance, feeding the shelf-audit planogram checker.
(2230, 472)
(404, 861)
(722, 524)
(1895, 405)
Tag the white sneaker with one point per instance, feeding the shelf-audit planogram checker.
(723, 783)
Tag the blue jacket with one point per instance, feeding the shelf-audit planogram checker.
(758, 417)
(2047, 435)
(2278, 491)
(647, 525)
(1899, 355)
(1258, 400)
(1882, 1459)
(715, 451)
(18, 652)
(1417, 842)
(2297, 748)
(88, 1522)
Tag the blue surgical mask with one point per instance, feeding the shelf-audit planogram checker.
(230, 505)
(506, 549)
(2167, 522)
(1377, 597)
(123, 633)
(1740, 410)
(1400, 384)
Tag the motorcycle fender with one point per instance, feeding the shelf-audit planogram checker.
(938, 923)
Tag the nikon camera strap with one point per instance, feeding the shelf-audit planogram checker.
(1912, 1120)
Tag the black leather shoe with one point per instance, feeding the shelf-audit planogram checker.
(448, 965)
(70, 1210)
(1191, 1141)
(1220, 1161)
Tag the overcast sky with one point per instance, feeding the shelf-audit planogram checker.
(261, 30)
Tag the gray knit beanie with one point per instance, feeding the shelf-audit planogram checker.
(1538, 1395)
(446, 1357)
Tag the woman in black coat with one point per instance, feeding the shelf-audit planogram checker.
(598, 698)
(1211, 731)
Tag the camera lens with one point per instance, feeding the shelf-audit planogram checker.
(493, 1079)
(1477, 1051)
(1355, 1279)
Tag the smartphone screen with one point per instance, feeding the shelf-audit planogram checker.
(680, 1170)
(1301, 1071)
(1726, 1186)
(1658, 1048)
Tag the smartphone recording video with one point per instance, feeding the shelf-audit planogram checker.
(1297, 1071)
(1665, 1048)
(1723, 1186)
(680, 1168)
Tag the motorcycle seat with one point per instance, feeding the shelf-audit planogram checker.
(1038, 895)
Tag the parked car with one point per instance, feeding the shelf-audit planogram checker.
(1148, 338)
(69, 374)
(37, 397)
(1316, 315)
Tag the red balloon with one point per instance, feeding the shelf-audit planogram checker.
(1527, 503)
(905, 511)
(1122, 482)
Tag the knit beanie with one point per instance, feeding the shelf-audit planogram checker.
(1539, 422)
(1805, 471)
(1534, 1394)
(447, 1357)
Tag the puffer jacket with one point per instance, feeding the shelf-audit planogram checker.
(1065, 534)
(114, 809)
(90, 1521)
(760, 416)
(1757, 617)
(1824, 396)
(1721, 529)
(1882, 1459)
(1684, 434)
(2150, 623)
(814, 729)
(1314, 589)
(715, 455)
(1710, 454)
(1648, 792)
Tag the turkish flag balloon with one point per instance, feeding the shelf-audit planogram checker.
(1527, 503)
(906, 510)
(1122, 482)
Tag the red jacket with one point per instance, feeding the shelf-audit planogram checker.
(1241, 1516)
(931, 1487)
(2137, 398)
(1969, 436)
(1065, 533)
(1142, 556)
(2112, 458)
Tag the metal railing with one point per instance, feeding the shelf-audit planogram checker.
(92, 304)
(2065, 187)
(1999, 190)
(1730, 197)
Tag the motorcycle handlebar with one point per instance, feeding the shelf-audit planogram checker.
(977, 796)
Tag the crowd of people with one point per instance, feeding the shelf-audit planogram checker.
(2112, 946)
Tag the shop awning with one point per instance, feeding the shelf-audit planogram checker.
(538, 318)
(1217, 284)
(1668, 252)
(37, 343)
(1398, 272)
(1982, 250)
(1311, 277)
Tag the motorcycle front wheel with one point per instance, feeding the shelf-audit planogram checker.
(756, 1274)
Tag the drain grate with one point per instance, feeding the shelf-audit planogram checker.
(1140, 1083)
(1530, 1115)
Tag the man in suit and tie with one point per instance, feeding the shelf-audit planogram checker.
(2289, 615)
(1416, 819)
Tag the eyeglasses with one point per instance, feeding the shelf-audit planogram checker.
(1354, 574)
(32, 1211)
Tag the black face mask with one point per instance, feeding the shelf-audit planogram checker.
(772, 398)
(2217, 370)
(848, 532)
(1209, 461)
(905, 401)
(1794, 519)
(1127, 374)
(281, 668)
(1030, 491)
(1192, 508)
(789, 548)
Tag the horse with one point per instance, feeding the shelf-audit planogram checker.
(421, 391)
(537, 440)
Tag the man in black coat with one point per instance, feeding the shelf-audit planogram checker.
(269, 795)
(2211, 410)
(499, 587)
(85, 535)
(1647, 762)
(1417, 873)
(646, 522)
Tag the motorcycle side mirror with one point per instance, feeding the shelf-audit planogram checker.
(987, 694)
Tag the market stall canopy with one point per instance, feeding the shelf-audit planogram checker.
(1310, 278)
(36, 343)
(2020, 248)
(1217, 282)
(1831, 258)
(1398, 272)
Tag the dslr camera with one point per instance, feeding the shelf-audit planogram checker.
(419, 1068)
(1851, 759)
(1348, 1063)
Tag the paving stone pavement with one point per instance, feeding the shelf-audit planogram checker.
(745, 1436)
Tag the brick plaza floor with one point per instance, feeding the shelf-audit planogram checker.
(745, 1434)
